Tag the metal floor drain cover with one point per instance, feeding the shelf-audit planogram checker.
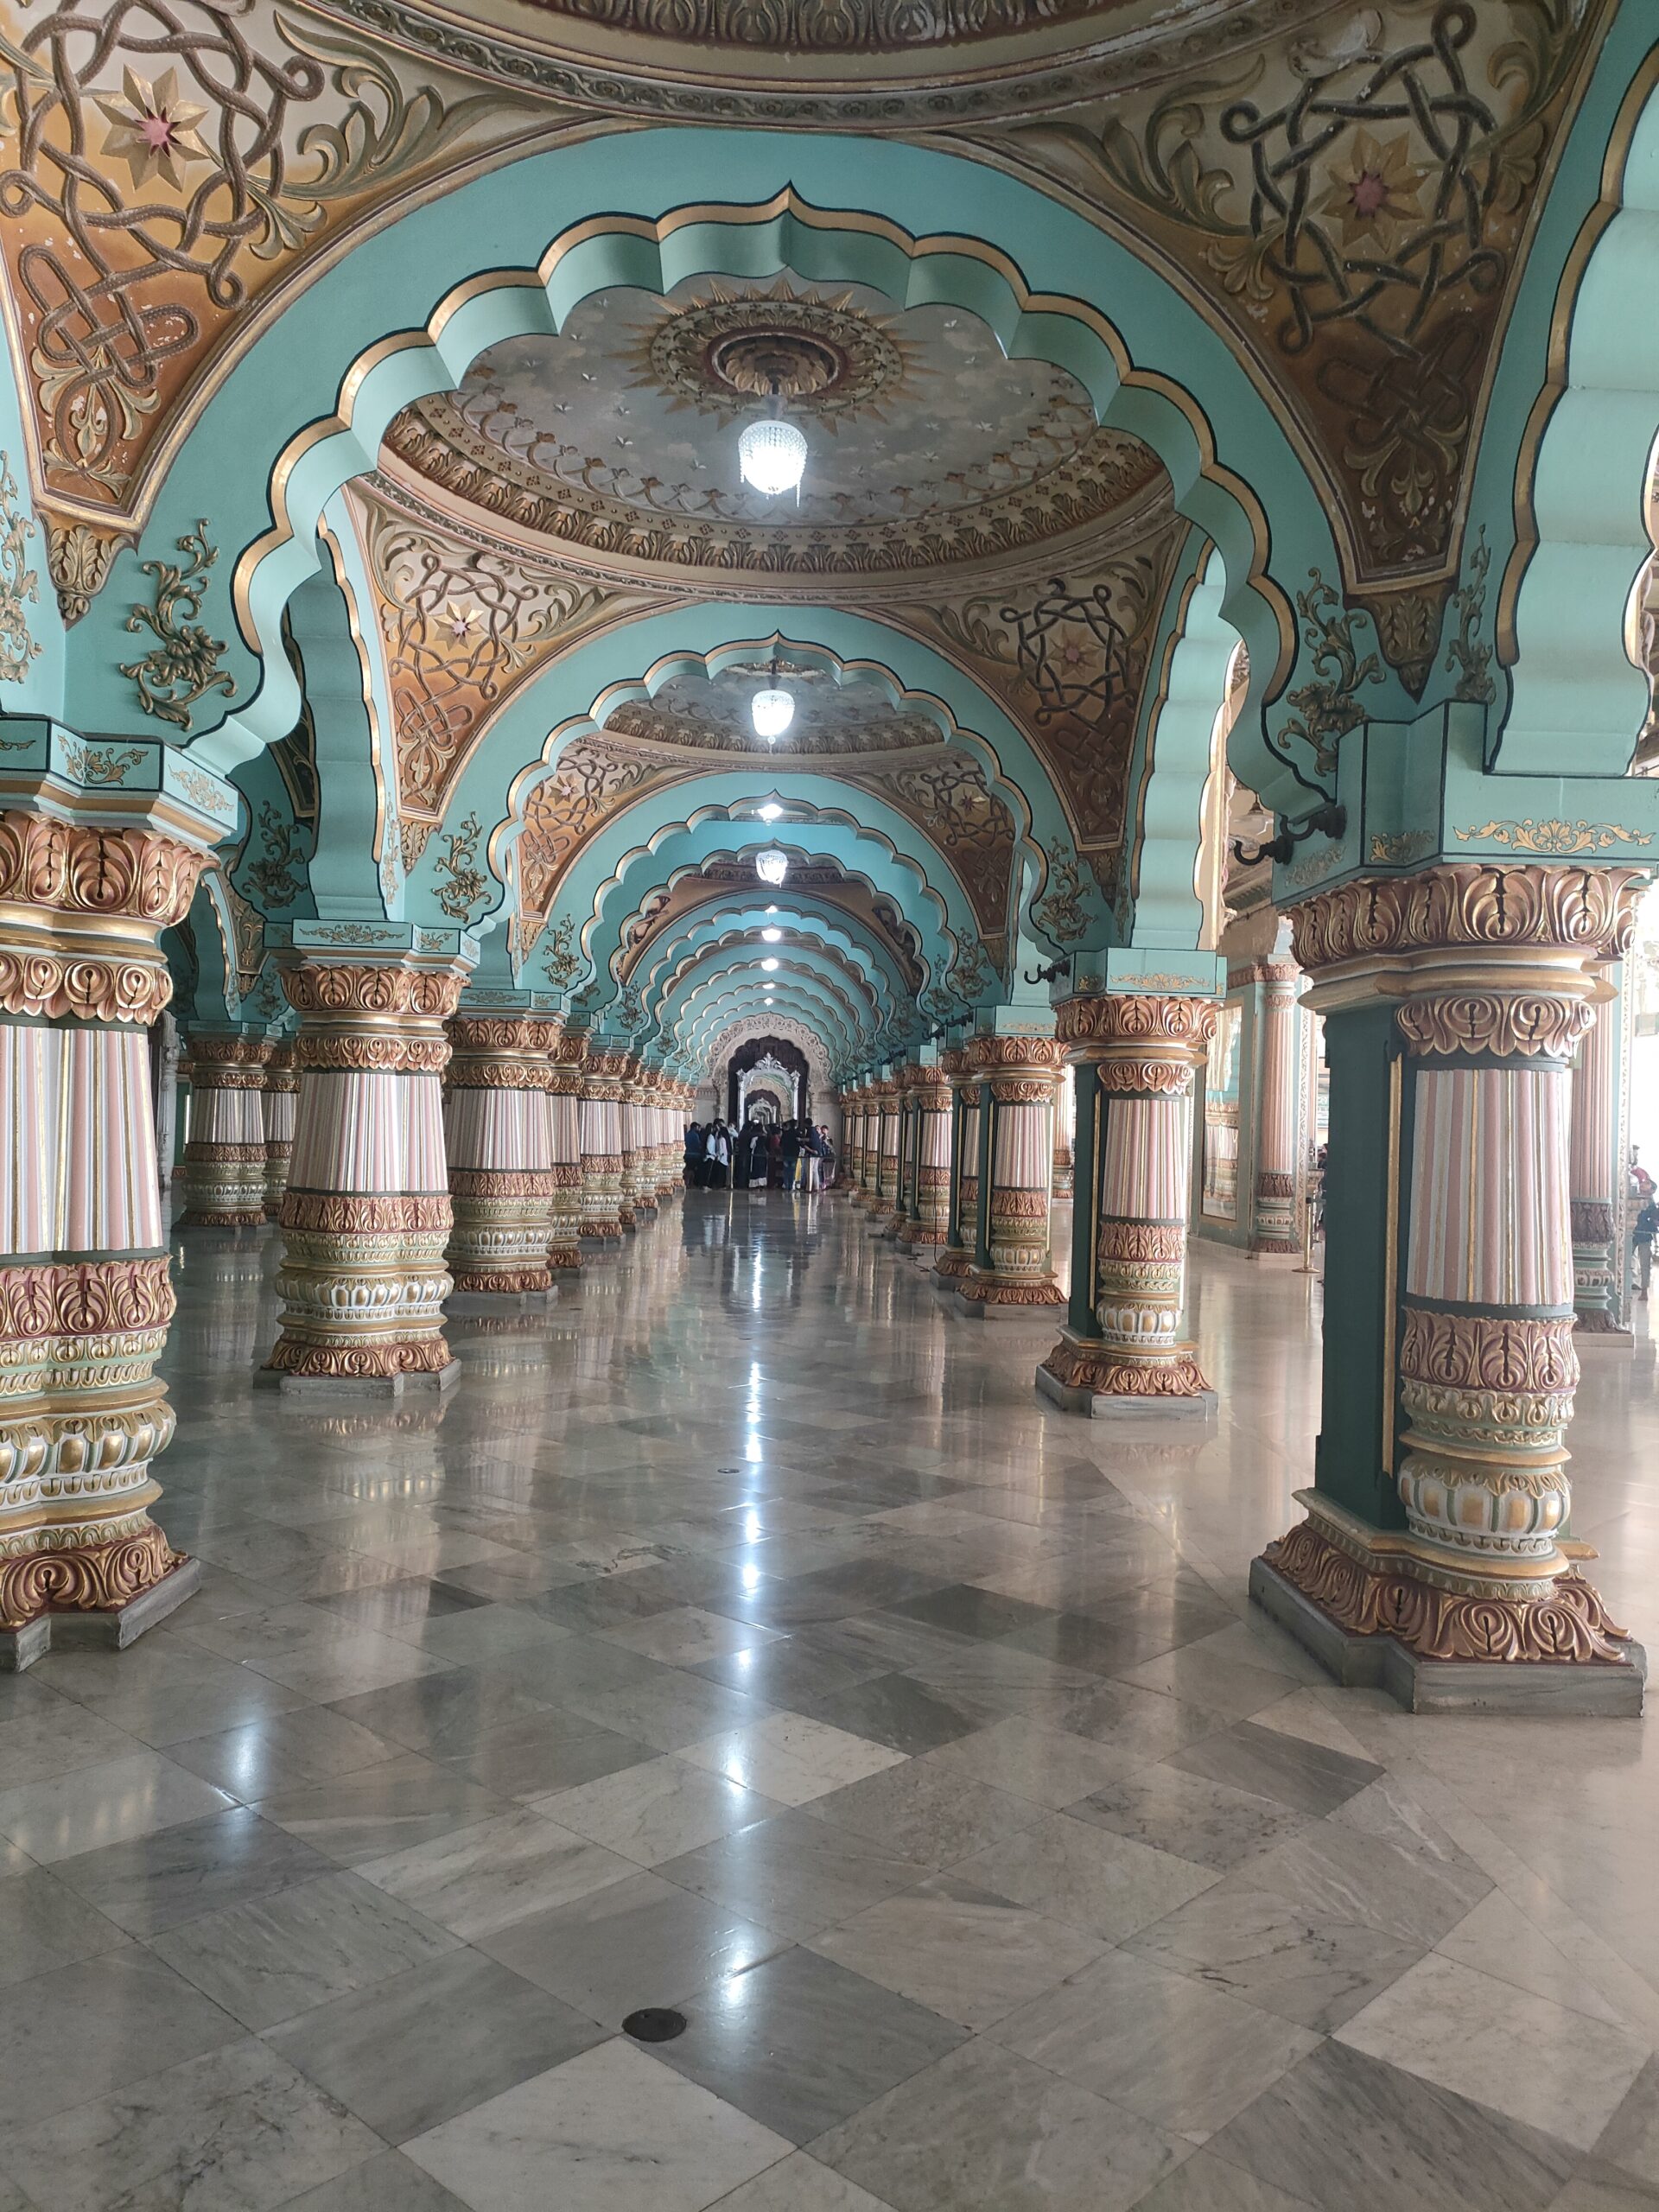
(655, 2023)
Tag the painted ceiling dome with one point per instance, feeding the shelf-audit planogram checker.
(928, 446)
(701, 714)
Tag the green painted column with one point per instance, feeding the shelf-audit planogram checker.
(1081, 1319)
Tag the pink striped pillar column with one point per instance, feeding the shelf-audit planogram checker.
(367, 1213)
(1146, 1050)
(926, 1231)
(885, 1189)
(223, 1161)
(1272, 1219)
(600, 1124)
(564, 1109)
(1598, 1262)
(281, 1097)
(496, 1139)
(1017, 1076)
(89, 879)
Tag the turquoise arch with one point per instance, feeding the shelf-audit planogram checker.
(875, 976)
(1577, 699)
(404, 312)
(1180, 724)
(801, 970)
(761, 906)
(575, 696)
(605, 885)
(701, 963)
(719, 1004)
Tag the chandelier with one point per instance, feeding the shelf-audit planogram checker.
(772, 711)
(771, 865)
(772, 456)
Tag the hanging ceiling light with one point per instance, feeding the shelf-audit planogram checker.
(771, 455)
(769, 812)
(769, 965)
(771, 937)
(771, 865)
(772, 710)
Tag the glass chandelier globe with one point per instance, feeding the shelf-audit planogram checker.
(772, 710)
(771, 865)
(771, 455)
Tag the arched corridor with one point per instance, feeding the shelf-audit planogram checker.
(826, 991)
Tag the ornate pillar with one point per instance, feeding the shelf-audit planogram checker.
(280, 1097)
(638, 1161)
(1273, 1217)
(886, 1194)
(367, 1214)
(1431, 1563)
(1063, 1161)
(627, 1137)
(956, 1255)
(562, 1106)
(934, 1107)
(1598, 1256)
(599, 1122)
(89, 879)
(1018, 1106)
(225, 1159)
(852, 1143)
(901, 1210)
(495, 1125)
(1142, 1054)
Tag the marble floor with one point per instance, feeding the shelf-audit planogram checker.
(744, 1635)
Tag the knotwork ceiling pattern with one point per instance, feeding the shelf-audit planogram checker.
(1353, 206)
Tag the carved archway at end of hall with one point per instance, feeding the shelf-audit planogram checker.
(786, 1057)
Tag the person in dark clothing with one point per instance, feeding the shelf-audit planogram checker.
(775, 1157)
(697, 1141)
(752, 1156)
(1647, 1221)
(792, 1153)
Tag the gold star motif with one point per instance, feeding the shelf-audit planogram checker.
(1377, 192)
(151, 128)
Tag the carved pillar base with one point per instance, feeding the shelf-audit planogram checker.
(224, 1165)
(1083, 1376)
(1019, 1094)
(367, 1214)
(1377, 1615)
(1595, 1275)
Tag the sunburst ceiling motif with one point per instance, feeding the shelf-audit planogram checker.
(928, 444)
(705, 714)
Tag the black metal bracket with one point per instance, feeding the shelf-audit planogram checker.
(1051, 973)
(1327, 820)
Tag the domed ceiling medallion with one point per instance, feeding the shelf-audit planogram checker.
(825, 357)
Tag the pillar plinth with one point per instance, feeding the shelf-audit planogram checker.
(367, 1213)
(1450, 1362)
(956, 1255)
(1017, 1100)
(281, 1097)
(563, 1111)
(599, 1121)
(495, 1137)
(225, 1159)
(1273, 1216)
(1142, 1054)
(84, 1294)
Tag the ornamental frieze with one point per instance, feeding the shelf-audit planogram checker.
(346, 987)
(1139, 1018)
(83, 988)
(1531, 1023)
(76, 869)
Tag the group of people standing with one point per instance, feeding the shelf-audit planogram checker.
(761, 1155)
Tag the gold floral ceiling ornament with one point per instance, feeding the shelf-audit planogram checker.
(826, 357)
(183, 667)
(153, 128)
(19, 585)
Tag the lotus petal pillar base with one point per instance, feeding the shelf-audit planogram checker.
(1097, 1380)
(981, 1295)
(99, 1620)
(1375, 1614)
(951, 1265)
